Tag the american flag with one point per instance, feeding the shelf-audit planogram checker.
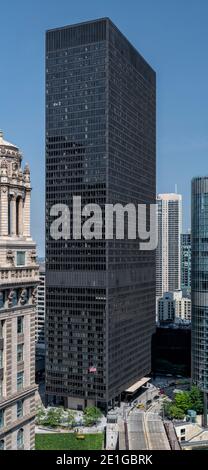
(92, 369)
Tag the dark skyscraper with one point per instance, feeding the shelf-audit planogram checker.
(100, 145)
(199, 285)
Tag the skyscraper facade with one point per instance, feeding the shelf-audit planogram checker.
(168, 253)
(100, 145)
(186, 262)
(19, 277)
(199, 284)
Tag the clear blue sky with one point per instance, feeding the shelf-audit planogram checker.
(171, 34)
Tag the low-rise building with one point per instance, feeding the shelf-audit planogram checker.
(173, 307)
(191, 435)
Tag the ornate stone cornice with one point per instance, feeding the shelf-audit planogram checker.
(10, 152)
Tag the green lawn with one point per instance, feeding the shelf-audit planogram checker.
(64, 441)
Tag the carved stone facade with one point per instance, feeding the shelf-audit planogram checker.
(18, 284)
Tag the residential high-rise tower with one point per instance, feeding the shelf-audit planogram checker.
(168, 254)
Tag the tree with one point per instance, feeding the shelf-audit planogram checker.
(54, 417)
(70, 419)
(192, 400)
(40, 415)
(91, 415)
(183, 401)
(176, 412)
(172, 411)
(196, 400)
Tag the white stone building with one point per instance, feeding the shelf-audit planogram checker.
(40, 312)
(174, 308)
(18, 285)
(168, 253)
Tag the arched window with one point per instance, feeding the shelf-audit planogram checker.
(20, 439)
(2, 444)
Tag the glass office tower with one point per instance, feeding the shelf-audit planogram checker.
(100, 145)
(199, 285)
